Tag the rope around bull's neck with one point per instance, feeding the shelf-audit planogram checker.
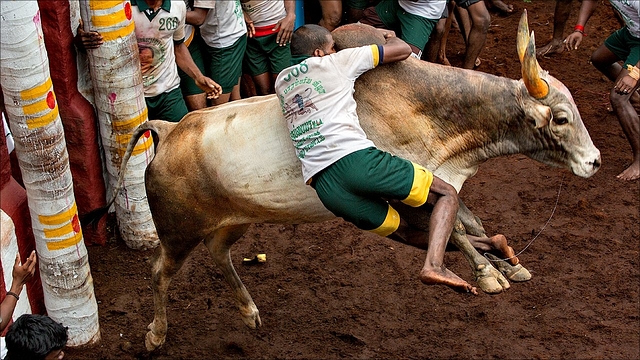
(538, 234)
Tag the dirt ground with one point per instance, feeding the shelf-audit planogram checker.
(331, 291)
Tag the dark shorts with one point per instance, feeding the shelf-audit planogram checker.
(187, 84)
(169, 106)
(625, 46)
(356, 4)
(225, 66)
(355, 187)
(466, 3)
(264, 55)
(413, 29)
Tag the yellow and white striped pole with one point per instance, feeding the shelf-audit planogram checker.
(32, 112)
(119, 99)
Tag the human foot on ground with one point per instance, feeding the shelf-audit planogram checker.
(631, 173)
(444, 276)
(555, 46)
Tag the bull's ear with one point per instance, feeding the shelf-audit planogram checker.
(539, 113)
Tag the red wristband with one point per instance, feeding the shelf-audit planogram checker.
(580, 29)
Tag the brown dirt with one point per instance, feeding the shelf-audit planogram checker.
(329, 290)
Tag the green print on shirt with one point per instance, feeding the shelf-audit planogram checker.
(305, 128)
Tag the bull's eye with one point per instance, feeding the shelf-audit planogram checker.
(560, 120)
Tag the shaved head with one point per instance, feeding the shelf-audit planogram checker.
(307, 38)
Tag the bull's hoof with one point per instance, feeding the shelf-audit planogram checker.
(490, 280)
(516, 273)
(252, 318)
(152, 342)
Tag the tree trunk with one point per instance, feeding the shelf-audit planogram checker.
(33, 116)
(119, 99)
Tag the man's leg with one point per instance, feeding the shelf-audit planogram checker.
(560, 17)
(480, 21)
(331, 14)
(607, 63)
(195, 102)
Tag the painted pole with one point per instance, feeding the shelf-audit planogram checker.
(119, 100)
(78, 117)
(34, 120)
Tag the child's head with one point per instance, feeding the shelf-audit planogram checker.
(35, 337)
(310, 39)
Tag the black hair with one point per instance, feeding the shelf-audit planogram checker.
(32, 337)
(307, 38)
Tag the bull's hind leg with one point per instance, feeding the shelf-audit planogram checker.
(164, 266)
(219, 245)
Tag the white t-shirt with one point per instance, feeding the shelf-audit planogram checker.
(630, 12)
(264, 12)
(155, 34)
(428, 9)
(317, 102)
(224, 23)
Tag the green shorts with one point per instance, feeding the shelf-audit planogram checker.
(413, 29)
(225, 67)
(355, 187)
(356, 4)
(169, 106)
(187, 84)
(264, 55)
(625, 46)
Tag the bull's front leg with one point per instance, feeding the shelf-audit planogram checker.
(219, 246)
(488, 278)
(506, 262)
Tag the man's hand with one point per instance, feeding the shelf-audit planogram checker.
(284, 28)
(23, 273)
(212, 88)
(251, 30)
(573, 41)
(88, 40)
(625, 85)
(386, 33)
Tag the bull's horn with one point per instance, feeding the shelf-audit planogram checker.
(523, 35)
(537, 87)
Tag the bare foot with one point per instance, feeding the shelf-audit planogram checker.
(504, 8)
(444, 276)
(555, 46)
(503, 250)
(630, 173)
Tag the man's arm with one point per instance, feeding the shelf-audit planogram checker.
(285, 26)
(185, 62)
(196, 16)
(575, 38)
(395, 49)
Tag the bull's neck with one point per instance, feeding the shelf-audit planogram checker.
(458, 115)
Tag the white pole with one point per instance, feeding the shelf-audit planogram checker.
(119, 99)
(33, 116)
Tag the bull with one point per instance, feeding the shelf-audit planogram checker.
(221, 169)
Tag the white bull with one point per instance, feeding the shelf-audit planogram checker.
(221, 169)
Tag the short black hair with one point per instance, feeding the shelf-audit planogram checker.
(32, 337)
(307, 38)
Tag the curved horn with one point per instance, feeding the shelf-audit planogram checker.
(537, 87)
(523, 35)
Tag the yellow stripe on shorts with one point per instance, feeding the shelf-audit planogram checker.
(422, 180)
(390, 224)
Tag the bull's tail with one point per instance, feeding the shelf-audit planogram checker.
(159, 129)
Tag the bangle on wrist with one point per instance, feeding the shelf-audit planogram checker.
(580, 29)
(634, 72)
(13, 294)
